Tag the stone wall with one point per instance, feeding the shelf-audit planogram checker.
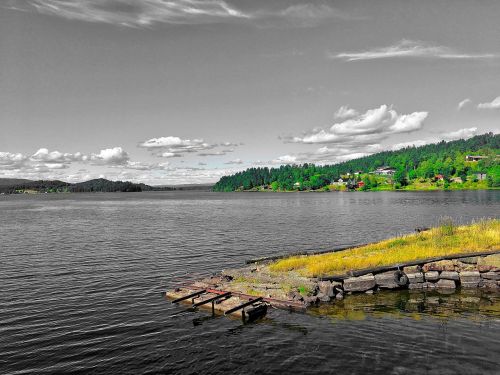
(472, 272)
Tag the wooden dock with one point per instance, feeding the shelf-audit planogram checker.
(229, 303)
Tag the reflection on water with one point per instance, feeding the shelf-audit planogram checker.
(474, 304)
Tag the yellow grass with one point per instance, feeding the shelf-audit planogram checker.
(446, 239)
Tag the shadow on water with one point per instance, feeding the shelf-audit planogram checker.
(471, 304)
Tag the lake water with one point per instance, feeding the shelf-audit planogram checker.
(81, 277)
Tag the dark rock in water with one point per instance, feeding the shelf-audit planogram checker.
(359, 284)
(446, 284)
(449, 275)
(337, 286)
(326, 288)
(432, 276)
(386, 280)
(323, 297)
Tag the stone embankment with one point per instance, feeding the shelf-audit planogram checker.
(471, 272)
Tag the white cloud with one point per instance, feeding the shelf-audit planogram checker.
(416, 143)
(459, 134)
(170, 147)
(46, 156)
(110, 156)
(141, 13)
(344, 113)
(463, 103)
(367, 128)
(235, 161)
(410, 48)
(145, 13)
(494, 104)
(285, 159)
(9, 160)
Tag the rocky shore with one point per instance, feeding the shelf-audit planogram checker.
(295, 292)
(444, 275)
(471, 272)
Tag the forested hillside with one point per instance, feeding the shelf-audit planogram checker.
(447, 160)
(54, 186)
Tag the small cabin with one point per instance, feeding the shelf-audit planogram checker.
(385, 171)
(474, 158)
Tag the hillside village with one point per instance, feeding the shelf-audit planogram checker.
(457, 165)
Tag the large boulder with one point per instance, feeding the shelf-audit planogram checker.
(491, 275)
(470, 279)
(412, 269)
(417, 277)
(442, 265)
(326, 288)
(386, 280)
(449, 275)
(431, 276)
(445, 284)
(359, 284)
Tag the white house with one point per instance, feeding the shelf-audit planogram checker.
(385, 171)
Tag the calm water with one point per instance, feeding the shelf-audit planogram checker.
(81, 277)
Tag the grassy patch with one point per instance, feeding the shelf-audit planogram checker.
(447, 239)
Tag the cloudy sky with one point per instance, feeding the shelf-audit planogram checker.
(185, 91)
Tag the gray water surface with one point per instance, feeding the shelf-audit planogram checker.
(81, 277)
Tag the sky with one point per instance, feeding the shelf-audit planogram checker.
(186, 91)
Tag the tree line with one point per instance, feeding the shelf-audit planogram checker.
(424, 162)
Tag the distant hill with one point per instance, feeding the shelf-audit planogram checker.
(444, 159)
(10, 186)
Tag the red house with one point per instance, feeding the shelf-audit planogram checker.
(439, 177)
(361, 184)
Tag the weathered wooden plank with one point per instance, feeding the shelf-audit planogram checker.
(243, 305)
(192, 295)
(213, 299)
